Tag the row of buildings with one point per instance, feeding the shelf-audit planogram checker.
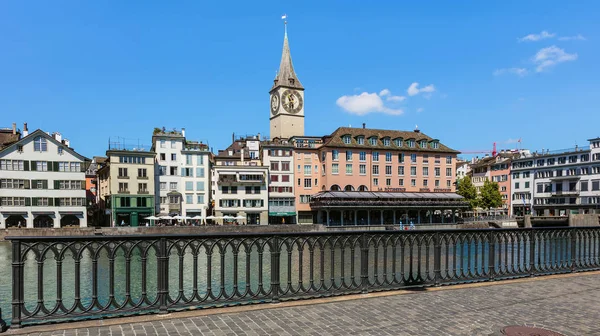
(544, 183)
(353, 176)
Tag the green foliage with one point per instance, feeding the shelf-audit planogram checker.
(466, 189)
(490, 196)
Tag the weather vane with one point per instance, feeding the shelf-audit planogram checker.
(284, 18)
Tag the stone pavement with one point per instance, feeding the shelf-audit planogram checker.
(566, 304)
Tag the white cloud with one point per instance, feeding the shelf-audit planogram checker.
(577, 37)
(384, 92)
(365, 103)
(515, 71)
(395, 98)
(420, 109)
(414, 90)
(536, 37)
(551, 56)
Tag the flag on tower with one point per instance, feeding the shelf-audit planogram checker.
(284, 17)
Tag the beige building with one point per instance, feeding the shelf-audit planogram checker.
(126, 187)
(239, 183)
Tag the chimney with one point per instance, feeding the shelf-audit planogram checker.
(14, 128)
(183, 132)
(67, 143)
(232, 137)
(364, 125)
(576, 148)
(242, 155)
(25, 130)
(417, 129)
(258, 136)
(57, 136)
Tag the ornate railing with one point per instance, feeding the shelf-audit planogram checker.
(70, 278)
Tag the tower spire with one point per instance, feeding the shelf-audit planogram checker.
(286, 75)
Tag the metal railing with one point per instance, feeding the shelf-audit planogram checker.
(70, 278)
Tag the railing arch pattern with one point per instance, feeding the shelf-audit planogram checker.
(163, 273)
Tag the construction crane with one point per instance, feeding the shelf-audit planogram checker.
(493, 151)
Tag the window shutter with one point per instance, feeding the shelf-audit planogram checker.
(51, 202)
(45, 184)
(56, 184)
(27, 201)
(26, 165)
(34, 201)
(49, 164)
(33, 165)
(83, 185)
(28, 185)
(55, 166)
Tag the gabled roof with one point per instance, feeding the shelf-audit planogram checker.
(335, 139)
(39, 132)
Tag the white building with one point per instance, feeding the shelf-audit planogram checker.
(182, 174)
(168, 146)
(42, 183)
(278, 156)
(556, 183)
(239, 183)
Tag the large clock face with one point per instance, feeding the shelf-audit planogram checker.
(274, 103)
(291, 100)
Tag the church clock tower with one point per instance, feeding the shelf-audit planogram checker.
(287, 98)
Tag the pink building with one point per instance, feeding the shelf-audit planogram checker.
(369, 176)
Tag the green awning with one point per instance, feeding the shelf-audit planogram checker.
(282, 214)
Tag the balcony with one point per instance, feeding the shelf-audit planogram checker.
(142, 177)
(143, 192)
(565, 192)
(122, 177)
(246, 178)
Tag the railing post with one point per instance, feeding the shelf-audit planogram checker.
(163, 275)
(573, 235)
(437, 259)
(364, 263)
(18, 284)
(492, 255)
(531, 252)
(275, 272)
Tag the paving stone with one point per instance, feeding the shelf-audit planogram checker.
(566, 305)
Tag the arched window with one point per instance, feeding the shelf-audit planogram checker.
(335, 187)
(40, 144)
(363, 188)
(349, 188)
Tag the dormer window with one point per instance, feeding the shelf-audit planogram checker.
(386, 141)
(435, 145)
(398, 142)
(360, 140)
(423, 144)
(411, 143)
(60, 150)
(40, 144)
(20, 148)
(346, 139)
(373, 141)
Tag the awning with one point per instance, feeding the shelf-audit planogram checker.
(42, 213)
(282, 214)
(16, 213)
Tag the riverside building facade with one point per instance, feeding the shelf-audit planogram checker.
(42, 182)
(277, 154)
(556, 183)
(239, 183)
(126, 183)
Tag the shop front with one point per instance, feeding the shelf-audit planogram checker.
(282, 218)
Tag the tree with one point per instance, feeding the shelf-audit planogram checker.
(490, 196)
(466, 189)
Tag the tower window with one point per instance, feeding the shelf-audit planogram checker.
(292, 81)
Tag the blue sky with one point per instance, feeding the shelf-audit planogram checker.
(487, 71)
